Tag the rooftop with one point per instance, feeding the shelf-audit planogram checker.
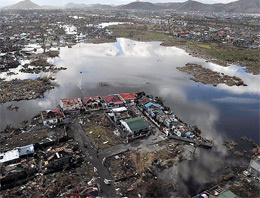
(113, 99)
(92, 98)
(226, 194)
(52, 113)
(9, 155)
(136, 124)
(144, 100)
(128, 96)
(71, 102)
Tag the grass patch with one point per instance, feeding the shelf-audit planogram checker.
(223, 53)
(229, 54)
(206, 46)
(137, 32)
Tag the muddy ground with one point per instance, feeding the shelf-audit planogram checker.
(207, 76)
(133, 177)
(100, 131)
(16, 90)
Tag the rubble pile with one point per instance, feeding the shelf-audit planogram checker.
(37, 70)
(52, 53)
(245, 188)
(121, 167)
(41, 62)
(17, 137)
(207, 76)
(102, 133)
(49, 164)
(28, 89)
(130, 180)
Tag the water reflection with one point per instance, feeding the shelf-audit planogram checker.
(103, 25)
(130, 66)
(135, 66)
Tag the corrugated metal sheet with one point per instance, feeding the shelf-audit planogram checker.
(9, 156)
(136, 124)
(26, 150)
(227, 194)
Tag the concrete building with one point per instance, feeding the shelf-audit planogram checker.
(135, 128)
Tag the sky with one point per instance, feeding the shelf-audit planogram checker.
(116, 2)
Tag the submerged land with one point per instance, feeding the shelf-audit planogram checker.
(119, 144)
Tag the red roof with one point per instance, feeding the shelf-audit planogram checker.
(113, 99)
(70, 99)
(71, 102)
(144, 100)
(128, 96)
(59, 112)
(88, 98)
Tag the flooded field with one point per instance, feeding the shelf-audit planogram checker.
(128, 65)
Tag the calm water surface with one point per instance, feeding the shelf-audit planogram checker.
(130, 66)
(146, 66)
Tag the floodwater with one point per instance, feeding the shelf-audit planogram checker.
(131, 66)
(146, 66)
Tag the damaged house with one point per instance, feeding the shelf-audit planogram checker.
(143, 101)
(71, 104)
(153, 109)
(114, 101)
(135, 128)
(118, 114)
(129, 98)
(52, 117)
(92, 102)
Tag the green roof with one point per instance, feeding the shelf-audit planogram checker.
(136, 124)
(226, 194)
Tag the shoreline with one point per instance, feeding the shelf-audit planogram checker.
(207, 51)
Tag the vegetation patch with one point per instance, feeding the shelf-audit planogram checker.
(219, 53)
(207, 76)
